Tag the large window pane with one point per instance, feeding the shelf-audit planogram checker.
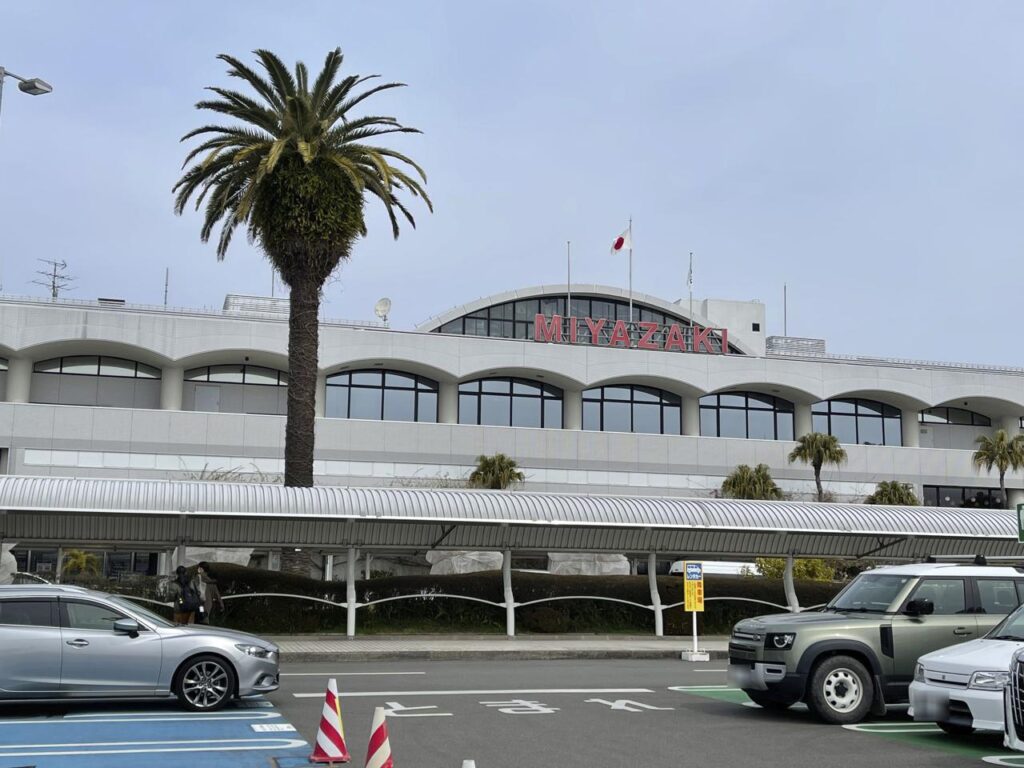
(399, 380)
(869, 407)
(647, 418)
(591, 415)
(869, 431)
(842, 406)
(230, 374)
(254, 374)
(732, 423)
(552, 413)
(708, 422)
(526, 309)
(114, 366)
(336, 404)
(784, 424)
(617, 393)
(428, 407)
(761, 425)
(845, 428)
(88, 366)
(893, 432)
(468, 409)
(733, 401)
(495, 385)
(47, 366)
(819, 423)
(617, 417)
(365, 403)
(494, 410)
(368, 378)
(399, 405)
(672, 417)
(526, 412)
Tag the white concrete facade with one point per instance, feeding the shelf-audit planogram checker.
(163, 440)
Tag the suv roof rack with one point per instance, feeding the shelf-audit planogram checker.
(972, 559)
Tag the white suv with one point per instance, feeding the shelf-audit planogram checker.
(960, 688)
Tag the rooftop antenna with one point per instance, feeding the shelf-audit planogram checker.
(55, 276)
(382, 308)
(167, 282)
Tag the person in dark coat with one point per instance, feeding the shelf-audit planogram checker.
(185, 596)
(212, 599)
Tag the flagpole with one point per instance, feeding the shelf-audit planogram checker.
(568, 278)
(630, 230)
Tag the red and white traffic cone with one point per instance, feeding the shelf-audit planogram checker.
(378, 754)
(330, 739)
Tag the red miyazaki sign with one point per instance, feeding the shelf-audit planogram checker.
(646, 335)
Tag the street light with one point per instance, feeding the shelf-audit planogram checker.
(33, 86)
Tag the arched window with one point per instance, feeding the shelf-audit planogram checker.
(239, 374)
(746, 414)
(954, 416)
(858, 421)
(236, 388)
(96, 380)
(381, 396)
(629, 408)
(510, 402)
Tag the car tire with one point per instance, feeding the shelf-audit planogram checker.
(955, 729)
(840, 690)
(205, 683)
(771, 701)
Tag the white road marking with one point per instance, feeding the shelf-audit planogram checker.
(707, 670)
(626, 705)
(148, 747)
(349, 674)
(1008, 760)
(143, 717)
(893, 728)
(272, 727)
(400, 694)
(698, 688)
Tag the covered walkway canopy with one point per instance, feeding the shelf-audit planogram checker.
(161, 513)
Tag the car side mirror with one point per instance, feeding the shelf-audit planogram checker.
(128, 627)
(919, 608)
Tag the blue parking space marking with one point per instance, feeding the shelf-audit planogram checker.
(233, 738)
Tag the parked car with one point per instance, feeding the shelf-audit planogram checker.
(858, 655)
(961, 688)
(62, 642)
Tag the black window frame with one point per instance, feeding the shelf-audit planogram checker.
(969, 603)
(474, 388)
(421, 385)
(665, 399)
(780, 407)
(54, 619)
(979, 606)
(825, 408)
(992, 496)
(156, 372)
(282, 376)
(940, 416)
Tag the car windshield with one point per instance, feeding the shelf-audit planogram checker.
(1010, 628)
(138, 610)
(869, 593)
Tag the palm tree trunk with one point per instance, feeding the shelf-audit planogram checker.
(1002, 490)
(303, 359)
(817, 483)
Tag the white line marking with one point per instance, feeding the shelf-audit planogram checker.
(400, 694)
(698, 688)
(144, 747)
(893, 728)
(349, 674)
(272, 727)
(141, 717)
(707, 670)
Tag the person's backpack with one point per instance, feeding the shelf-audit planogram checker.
(188, 601)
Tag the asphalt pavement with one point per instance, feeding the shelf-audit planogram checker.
(578, 714)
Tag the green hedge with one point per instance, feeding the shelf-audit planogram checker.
(437, 614)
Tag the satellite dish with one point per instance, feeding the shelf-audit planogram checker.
(381, 308)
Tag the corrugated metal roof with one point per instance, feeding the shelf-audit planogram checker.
(68, 510)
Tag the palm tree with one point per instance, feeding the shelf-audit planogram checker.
(818, 449)
(746, 483)
(496, 472)
(79, 562)
(1002, 452)
(893, 492)
(294, 168)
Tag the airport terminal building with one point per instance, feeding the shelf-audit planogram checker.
(584, 398)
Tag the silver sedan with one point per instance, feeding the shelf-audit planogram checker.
(64, 642)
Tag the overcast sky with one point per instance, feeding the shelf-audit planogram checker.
(867, 154)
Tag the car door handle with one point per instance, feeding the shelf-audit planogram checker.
(78, 643)
(961, 631)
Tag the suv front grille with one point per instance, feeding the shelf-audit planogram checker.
(1016, 693)
(742, 652)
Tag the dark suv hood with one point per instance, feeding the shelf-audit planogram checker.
(781, 622)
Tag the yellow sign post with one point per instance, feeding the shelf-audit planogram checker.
(693, 596)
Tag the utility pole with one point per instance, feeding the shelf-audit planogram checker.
(55, 277)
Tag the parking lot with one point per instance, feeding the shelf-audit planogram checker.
(500, 714)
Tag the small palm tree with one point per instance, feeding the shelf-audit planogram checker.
(818, 449)
(893, 492)
(1002, 452)
(81, 563)
(496, 472)
(746, 483)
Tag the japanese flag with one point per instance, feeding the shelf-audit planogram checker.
(623, 242)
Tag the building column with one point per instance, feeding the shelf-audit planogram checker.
(803, 423)
(172, 382)
(572, 409)
(448, 403)
(787, 582)
(350, 592)
(910, 423)
(652, 584)
(1010, 423)
(691, 416)
(19, 380)
(321, 395)
(328, 567)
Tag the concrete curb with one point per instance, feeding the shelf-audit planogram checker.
(491, 655)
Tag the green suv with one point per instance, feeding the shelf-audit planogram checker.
(858, 654)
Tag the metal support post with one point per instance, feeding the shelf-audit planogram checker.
(366, 566)
(510, 601)
(652, 580)
(60, 564)
(790, 587)
(350, 591)
(328, 567)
